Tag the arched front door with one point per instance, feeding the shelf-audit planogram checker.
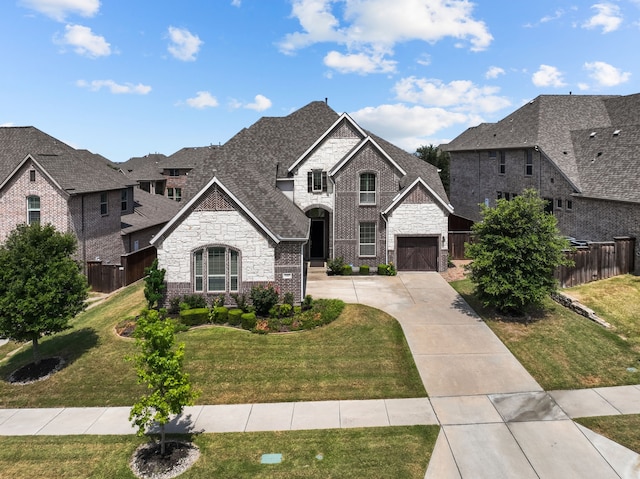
(319, 235)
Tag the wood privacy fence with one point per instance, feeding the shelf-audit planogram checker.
(105, 278)
(457, 239)
(598, 261)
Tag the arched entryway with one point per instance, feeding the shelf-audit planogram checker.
(317, 250)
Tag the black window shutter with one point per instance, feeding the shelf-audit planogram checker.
(309, 182)
(324, 181)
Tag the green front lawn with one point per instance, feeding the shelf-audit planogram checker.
(389, 452)
(362, 355)
(561, 349)
(621, 429)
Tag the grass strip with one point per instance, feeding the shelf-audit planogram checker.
(621, 429)
(561, 349)
(389, 452)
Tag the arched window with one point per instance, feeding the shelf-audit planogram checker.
(33, 209)
(368, 189)
(216, 270)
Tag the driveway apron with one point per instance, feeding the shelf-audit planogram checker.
(496, 420)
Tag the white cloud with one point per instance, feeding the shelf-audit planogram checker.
(608, 17)
(236, 3)
(376, 26)
(548, 76)
(260, 103)
(2, 125)
(461, 95)
(407, 127)
(59, 9)
(115, 88)
(605, 74)
(358, 63)
(85, 42)
(494, 72)
(203, 99)
(184, 44)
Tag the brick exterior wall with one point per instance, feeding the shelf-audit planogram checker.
(475, 178)
(97, 235)
(288, 269)
(349, 213)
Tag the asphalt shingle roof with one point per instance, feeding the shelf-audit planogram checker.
(148, 210)
(76, 171)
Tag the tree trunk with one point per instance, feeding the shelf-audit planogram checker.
(162, 441)
(36, 351)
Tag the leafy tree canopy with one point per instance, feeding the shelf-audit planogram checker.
(41, 285)
(438, 158)
(515, 250)
(153, 284)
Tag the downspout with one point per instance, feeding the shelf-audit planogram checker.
(84, 239)
(333, 220)
(386, 238)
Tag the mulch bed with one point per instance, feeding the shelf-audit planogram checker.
(147, 463)
(33, 372)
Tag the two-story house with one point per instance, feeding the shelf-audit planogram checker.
(309, 186)
(44, 180)
(580, 152)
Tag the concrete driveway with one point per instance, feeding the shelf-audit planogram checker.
(496, 420)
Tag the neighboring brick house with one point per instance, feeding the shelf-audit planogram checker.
(580, 152)
(42, 179)
(309, 186)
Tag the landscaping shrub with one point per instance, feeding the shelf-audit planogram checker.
(307, 302)
(220, 314)
(218, 301)
(335, 266)
(382, 269)
(347, 270)
(174, 305)
(264, 298)
(281, 311)
(248, 321)
(241, 301)
(195, 316)
(235, 317)
(195, 300)
(364, 270)
(288, 298)
(391, 269)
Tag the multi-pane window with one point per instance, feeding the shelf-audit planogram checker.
(502, 165)
(367, 239)
(124, 200)
(33, 209)
(367, 189)
(32, 175)
(178, 194)
(528, 163)
(104, 204)
(174, 194)
(219, 266)
(174, 172)
(316, 181)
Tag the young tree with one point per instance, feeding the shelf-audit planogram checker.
(153, 284)
(41, 285)
(515, 251)
(159, 366)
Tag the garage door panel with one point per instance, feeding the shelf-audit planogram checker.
(417, 253)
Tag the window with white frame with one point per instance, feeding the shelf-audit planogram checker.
(33, 209)
(104, 204)
(316, 181)
(220, 266)
(368, 189)
(367, 239)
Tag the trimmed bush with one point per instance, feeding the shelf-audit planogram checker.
(364, 270)
(220, 314)
(382, 269)
(335, 266)
(195, 316)
(248, 321)
(195, 300)
(307, 302)
(347, 270)
(263, 299)
(235, 317)
(281, 311)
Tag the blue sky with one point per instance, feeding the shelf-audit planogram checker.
(129, 78)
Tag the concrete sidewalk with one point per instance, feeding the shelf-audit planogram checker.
(496, 421)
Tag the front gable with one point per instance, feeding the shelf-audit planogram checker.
(419, 192)
(369, 149)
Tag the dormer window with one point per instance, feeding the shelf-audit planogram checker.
(368, 189)
(316, 181)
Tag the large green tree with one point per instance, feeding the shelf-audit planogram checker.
(159, 366)
(438, 158)
(41, 285)
(515, 250)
